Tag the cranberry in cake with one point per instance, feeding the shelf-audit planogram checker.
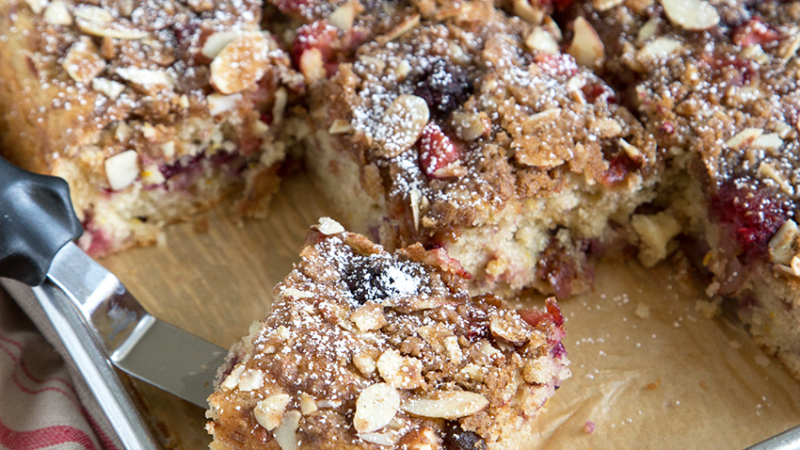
(716, 84)
(474, 133)
(151, 111)
(364, 349)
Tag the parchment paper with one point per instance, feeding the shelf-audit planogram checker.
(649, 369)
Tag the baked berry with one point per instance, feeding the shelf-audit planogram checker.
(456, 438)
(754, 31)
(444, 88)
(436, 151)
(753, 212)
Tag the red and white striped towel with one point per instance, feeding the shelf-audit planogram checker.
(41, 405)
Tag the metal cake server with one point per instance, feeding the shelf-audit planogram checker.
(99, 321)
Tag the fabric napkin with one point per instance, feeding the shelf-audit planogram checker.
(44, 401)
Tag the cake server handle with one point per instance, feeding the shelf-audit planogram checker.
(36, 222)
(788, 440)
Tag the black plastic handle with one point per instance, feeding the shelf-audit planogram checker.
(36, 220)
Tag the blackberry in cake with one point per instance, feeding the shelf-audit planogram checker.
(716, 83)
(364, 349)
(151, 111)
(466, 133)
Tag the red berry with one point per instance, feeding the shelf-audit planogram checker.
(436, 151)
(555, 65)
(618, 169)
(318, 35)
(754, 31)
(290, 6)
(752, 211)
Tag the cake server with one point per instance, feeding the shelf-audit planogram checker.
(99, 321)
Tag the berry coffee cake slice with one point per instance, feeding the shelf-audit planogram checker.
(717, 84)
(470, 134)
(150, 110)
(369, 350)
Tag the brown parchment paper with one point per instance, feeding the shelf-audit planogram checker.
(650, 370)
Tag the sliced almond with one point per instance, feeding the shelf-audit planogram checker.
(286, 433)
(782, 245)
(525, 11)
(509, 327)
(691, 14)
(769, 141)
(232, 380)
(659, 48)
(788, 48)
(454, 353)
(145, 78)
(340, 126)
(270, 411)
(93, 14)
(251, 380)
(605, 5)
(648, 30)
(57, 13)
(312, 65)
(329, 227)
(767, 170)
(404, 27)
(586, 46)
(744, 138)
(365, 363)
(446, 405)
(307, 404)
(343, 16)
(633, 152)
(82, 62)
(541, 40)
(36, 5)
(470, 126)
(218, 104)
(216, 42)
(376, 407)
(402, 124)
(240, 64)
(122, 169)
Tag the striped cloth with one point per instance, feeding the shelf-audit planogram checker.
(41, 405)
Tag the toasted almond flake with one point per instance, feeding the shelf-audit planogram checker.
(788, 48)
(340, 126)
(36, 5)
(404, 27)
(82, 62)
(343, 16)
(365, 363)
(328, 226)
(251, 380)
(168, 149)
(122, 169)
(541, 40)
(605, 127)
(470, 126)
(782, 245)
(605, 5)
(93, 14)
(240, 64)
(446, 405)
(312, 65)
(307, 404)
(232, 380)
(402, 70)
(279, 106)
(795, 265)
(329, 404)
(543, 118)
(633, 153)
(454, 353)
(586, 46)
(145, 77)
(767, 170)
(387, 438)
(270, 411)
(110, 88)
(744, 138)
(403, 123)
(525, 11)
(216, 42)
(691, 14)
(286, 433)
(414, 196)
(659, 48)
(296, 293)
(509, 327)
(648, 30)
(769, 141)
(376, 407)
(218, 103)
(57, 13)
